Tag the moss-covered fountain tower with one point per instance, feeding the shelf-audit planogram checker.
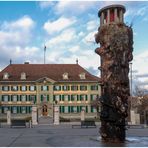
(116, 46)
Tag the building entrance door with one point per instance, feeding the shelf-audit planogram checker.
(44, 110)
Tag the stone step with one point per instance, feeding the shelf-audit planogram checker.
(45, 120)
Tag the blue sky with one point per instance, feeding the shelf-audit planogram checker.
(67, 28)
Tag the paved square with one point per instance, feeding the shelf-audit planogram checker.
(63, 136)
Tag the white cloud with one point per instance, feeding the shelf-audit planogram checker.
(58, 25)
(16, 32)
(65, 37)
(74, 49)
(45, 4)
(92, 25)
(90, 38)
(74, 7)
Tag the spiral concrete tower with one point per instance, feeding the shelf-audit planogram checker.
(116, 46)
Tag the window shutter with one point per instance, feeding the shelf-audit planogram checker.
(69, 109)
(60, 109)
(63, 109)
(41, 88)
(86, 97)
(86, 109)
(47, 97)
(34, 87)
(17, 98)
(77, 97)
(77, 109)
(63, 97)
(11, 109)
(2, 88)
(53, 97)
(18, 109)
(68, 97)
(91, 109)
(47, 87)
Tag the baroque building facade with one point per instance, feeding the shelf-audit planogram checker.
(69, 85)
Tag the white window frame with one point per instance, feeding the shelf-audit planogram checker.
(57, 97)
(4, 88)
(57, 87)
(24, 88)
(23, 110)
(14, 98)
(5, 98)
(32, 88)
(5, 109)
(66, 109)
(23, 98)
(75, 109)
(43, 88)
(14, 88)
(14, 109)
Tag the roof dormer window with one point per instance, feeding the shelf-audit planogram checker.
(65, 76)
(82, 75)
(5, 76)
(23, 76)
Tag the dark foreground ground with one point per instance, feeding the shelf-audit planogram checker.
(65, 136)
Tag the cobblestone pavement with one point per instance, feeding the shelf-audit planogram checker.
(65, 136)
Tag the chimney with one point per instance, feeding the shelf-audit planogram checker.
(26, 62)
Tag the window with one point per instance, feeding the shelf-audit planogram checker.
(65, 76)
(94, 87)
(23, 88)
(57, 87)
(14, 98)
(66, 109)
(93, 97)
(93, 109)
(83, 97)
(23, 109)
(75, 109)
(74, 88)
(82, 76)
(14, 109)
(5, 109)
(5, 98)
(57, 97)
(66, 97)
(14, 88)
(32, 88)
(73, 97)
(83, 88)
(5, 76)
(65, 87)
(23, 98)
(44, 88)
(23, 76)
(5, 88)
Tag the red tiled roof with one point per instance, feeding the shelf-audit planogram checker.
(52, 71)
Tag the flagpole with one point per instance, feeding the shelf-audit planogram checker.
(44, 54)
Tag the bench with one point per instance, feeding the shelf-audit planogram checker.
(18, 123)
(86, 124)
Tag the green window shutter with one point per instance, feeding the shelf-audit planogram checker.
(41, 88)
(18, 111)
(63, 109)
(86, 97)
(47, 87)
(91, 109)
(68, 87)
(68, 97)
(69, 109)
(17, 98)
(80, 97)
(2, 98)
(62, 97)
(86, 109)
(35, 99)
(60, 109)
(62, 87)
(47, 97)
(53, 97)
(91, 97)
(77, 97)
(34, 87)
(78, 109)
(26, 109)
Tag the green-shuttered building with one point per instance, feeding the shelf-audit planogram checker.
(70, 85)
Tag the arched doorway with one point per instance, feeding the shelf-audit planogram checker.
(44, 110)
